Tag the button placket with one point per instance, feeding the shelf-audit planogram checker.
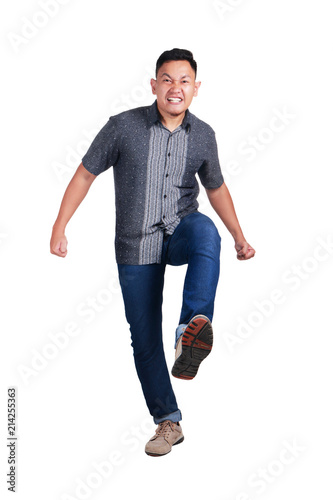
(167, 162)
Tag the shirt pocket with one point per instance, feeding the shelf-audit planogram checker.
(187, 182)
(193, 164)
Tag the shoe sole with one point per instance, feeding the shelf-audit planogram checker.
(197, 343)
(162, 454)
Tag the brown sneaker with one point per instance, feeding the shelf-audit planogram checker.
(193, 346)
(167, 434)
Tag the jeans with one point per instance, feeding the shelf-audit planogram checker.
(195, 242)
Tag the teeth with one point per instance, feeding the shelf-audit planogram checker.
(174, 99)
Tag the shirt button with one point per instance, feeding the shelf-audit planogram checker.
(169, 154)
(165, 196)
(167, 175)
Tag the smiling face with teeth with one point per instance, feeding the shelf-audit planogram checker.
(174, 87)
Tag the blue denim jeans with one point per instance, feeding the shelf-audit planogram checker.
(195, 242)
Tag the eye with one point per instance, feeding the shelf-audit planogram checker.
(166, 80)
(185, 81)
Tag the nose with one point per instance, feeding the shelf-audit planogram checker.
(176, 85)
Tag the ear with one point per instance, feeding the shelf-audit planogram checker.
(153, 85)
(196, 88)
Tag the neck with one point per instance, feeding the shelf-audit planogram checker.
(171, 122)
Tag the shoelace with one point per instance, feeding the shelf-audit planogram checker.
(164, 428)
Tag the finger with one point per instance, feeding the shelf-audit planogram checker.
(242, 252)
(60, 249)
(58, 253)
(250, 253)
(63, 246)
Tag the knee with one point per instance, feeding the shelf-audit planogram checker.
(147, 339)
(146, 353)
(210, 231)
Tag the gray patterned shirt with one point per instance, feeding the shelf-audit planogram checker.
(154, 176)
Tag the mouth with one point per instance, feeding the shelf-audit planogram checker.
(175, 99)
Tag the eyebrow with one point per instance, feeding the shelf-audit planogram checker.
(166, 74)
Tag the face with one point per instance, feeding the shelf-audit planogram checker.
(174, 87)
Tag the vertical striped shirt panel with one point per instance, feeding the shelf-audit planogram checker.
(166, 166)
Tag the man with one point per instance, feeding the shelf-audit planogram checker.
(156, 151)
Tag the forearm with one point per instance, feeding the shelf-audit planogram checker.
(222, 203)
(74, 194)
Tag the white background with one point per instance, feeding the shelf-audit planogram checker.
(265, 387)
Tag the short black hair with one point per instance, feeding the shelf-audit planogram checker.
(176, 55)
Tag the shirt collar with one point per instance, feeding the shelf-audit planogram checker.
(154, 116)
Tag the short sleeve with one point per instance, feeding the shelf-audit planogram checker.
(210, 173)
(104, 149)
